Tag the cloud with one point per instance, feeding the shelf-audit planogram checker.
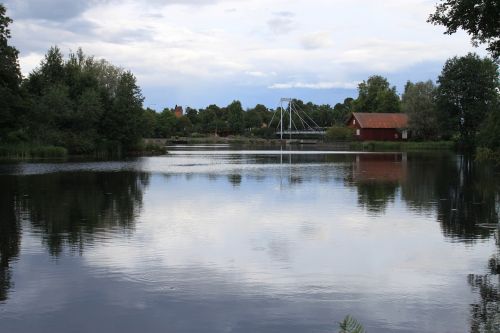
(52, 10)
(281, 23)
(317, 40)
(260, 74)
(315, 85)
(284, 13)
(242, 47)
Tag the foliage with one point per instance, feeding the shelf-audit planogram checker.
(467, 92)
(11, 104)
(342, 111)
(83, 104)
(350, 325)
(479, 18)
(27, 151)
(376, 95)
(339, 133)
(121, 121)
(418, 102)
(489, 134)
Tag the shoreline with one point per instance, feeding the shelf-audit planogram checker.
(158, 147)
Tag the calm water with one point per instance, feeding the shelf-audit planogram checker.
(210, 239)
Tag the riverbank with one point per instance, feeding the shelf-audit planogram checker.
(155, 147)
(344, 145)
(402, 146)
(27, 151)
(31, 151)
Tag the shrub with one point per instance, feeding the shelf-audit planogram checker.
(339, 133)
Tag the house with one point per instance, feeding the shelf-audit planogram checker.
(178, 111)
(379, 126)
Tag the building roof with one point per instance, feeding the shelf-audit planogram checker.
(381, 120)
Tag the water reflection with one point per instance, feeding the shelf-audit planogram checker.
(485, 314)
(65, 209)
(69, 208)
(255, 242)
(377, 178)
(10, 233)
(467, 200)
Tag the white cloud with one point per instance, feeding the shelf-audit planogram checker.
(317, 40)
(316, 85)
(260, 74)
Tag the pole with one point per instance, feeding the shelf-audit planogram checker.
(281, 122)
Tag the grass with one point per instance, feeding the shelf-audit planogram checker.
(404, 146)
(29, 151)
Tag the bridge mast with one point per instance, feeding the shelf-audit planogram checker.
(289, 101)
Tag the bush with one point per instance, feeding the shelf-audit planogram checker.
(27, 151)
(339, 133)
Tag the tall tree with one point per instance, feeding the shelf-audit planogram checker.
(467, 92)
(10, 79)
(376, 95)
(418, 102)
(236, 117)
(122, 123)
(341, 111)
(479, 18)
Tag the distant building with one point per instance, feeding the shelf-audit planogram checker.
(379, 126)
(178, 111)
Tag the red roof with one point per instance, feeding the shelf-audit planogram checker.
(381, 120)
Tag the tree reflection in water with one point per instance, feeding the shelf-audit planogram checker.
(485, 315)
(465, 197)
(10, 233)
(65, 209)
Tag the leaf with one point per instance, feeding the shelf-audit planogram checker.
(351, 325)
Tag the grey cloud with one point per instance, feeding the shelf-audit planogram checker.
(280, 25)
(282, 22)
(127, 36)
(63, 10)
(51, 10)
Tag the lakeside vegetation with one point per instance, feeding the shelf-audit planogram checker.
(86, 106)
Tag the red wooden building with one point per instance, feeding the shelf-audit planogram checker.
(379, 126)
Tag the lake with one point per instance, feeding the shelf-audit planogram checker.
(221, 239)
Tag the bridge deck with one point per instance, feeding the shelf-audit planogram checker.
(302, 132)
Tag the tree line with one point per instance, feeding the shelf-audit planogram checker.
(88, 105)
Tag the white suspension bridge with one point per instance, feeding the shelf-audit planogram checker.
(299, 123)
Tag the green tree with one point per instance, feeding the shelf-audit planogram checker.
(52, 67)
(467, 92)
(192, 114)
(122, 123)
(10, 79)
(235, 117)
(166, 124)
(489, 134)
(376, 95)
(253, 118)
(479, 18)
(341, 111)
(418, 102)
(150, 122)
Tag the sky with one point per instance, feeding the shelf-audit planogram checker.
(200, 52)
